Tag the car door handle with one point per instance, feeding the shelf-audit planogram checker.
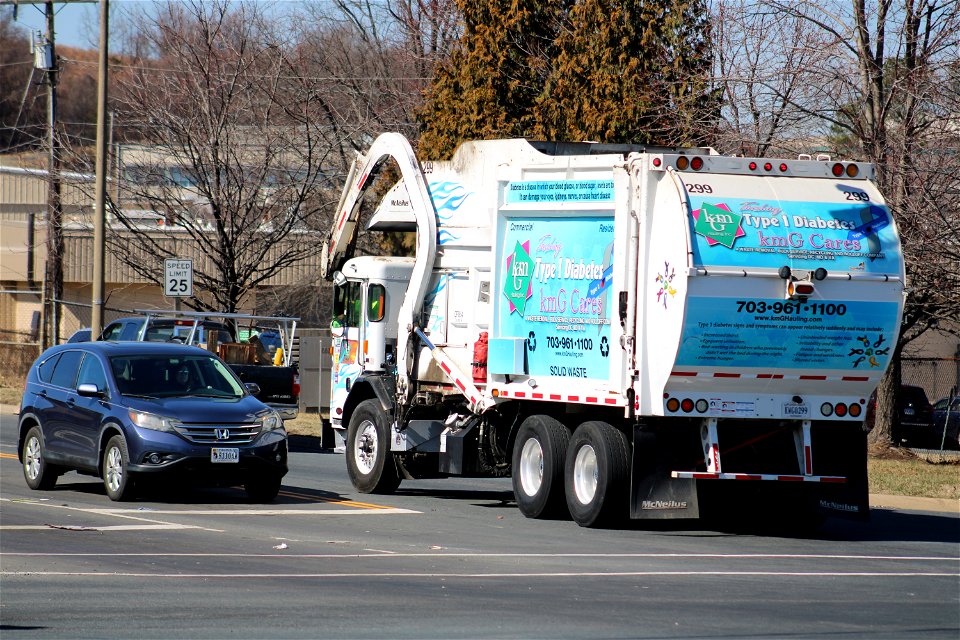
(71, 401)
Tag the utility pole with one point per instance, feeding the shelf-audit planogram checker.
(53, 280)
(45, 59)
(99, 220)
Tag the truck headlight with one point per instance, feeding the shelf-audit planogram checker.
(270, 422)
(150, 421)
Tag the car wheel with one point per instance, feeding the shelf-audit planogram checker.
(370, 464)
(36, 471)
(263, 489)
(596, 474)
(538, 457)
(116, 474)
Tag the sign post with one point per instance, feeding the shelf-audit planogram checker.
(178, 278)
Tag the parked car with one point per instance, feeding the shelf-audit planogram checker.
(914, 421)
(80, 335)
(949, 419)
(126, 410)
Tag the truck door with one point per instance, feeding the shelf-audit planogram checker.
(346, 331)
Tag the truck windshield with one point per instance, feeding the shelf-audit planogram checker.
(346, 305)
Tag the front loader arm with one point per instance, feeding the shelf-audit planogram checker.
(339, 246)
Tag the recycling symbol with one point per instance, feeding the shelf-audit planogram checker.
(604, 347)
(532, 341)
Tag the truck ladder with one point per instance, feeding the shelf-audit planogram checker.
(711, 450)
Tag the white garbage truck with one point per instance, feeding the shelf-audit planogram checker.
(626, 331)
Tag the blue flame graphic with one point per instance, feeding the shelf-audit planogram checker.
(447, 198)
(444, 236)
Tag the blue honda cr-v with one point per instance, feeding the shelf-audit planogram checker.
(122, 410)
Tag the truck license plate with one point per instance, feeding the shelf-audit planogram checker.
(224, 455)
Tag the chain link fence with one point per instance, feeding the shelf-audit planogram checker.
(937, 376)
(21, 315)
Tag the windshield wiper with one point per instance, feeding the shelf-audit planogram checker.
(206, 395)
(138, 395)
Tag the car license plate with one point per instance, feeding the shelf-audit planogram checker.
(908, 411)
(218, 454)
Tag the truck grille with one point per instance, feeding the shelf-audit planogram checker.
(208, 433)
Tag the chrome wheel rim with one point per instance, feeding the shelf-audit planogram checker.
(366, 447)
(531, 467)
(585, 474)
(32, 458)
(114, 469)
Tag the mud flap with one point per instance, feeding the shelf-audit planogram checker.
(654, 495)
(842, 452)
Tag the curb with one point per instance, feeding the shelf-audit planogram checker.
(936, 505)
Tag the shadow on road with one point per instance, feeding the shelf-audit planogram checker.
(169, 492)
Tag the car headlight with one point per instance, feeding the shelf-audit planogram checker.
(271, 421)
(150, 421)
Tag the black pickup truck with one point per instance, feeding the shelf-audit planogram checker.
(259, 349)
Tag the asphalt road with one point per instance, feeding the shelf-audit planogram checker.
(445, 559)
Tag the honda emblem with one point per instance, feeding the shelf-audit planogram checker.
(222, 434)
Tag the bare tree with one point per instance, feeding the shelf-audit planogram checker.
(874, 80)
(374, 60)
(235, 153)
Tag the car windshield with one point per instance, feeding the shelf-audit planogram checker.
(164, 376)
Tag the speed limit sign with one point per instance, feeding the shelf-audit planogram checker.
(178, 278)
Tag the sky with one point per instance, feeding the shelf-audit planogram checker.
(75, 24)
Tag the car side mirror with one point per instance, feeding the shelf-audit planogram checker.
(252, 388)
(90, 390)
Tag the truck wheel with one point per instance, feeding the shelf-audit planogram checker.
(36, 471)
(538, 458)
(116, 474)
(370, 464)
(597, 474)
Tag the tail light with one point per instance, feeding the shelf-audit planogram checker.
(296, 385)
(799, 290)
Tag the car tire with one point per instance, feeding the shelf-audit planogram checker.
(38, 473)
(115, 470)
(596, 475)
(370, 464)
(263, 488)
(539, 454)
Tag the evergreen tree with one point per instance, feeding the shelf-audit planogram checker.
(605, 70)
(492, 81)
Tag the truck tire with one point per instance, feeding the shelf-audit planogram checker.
(370, 464)
(596, 474)
(538, 458)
